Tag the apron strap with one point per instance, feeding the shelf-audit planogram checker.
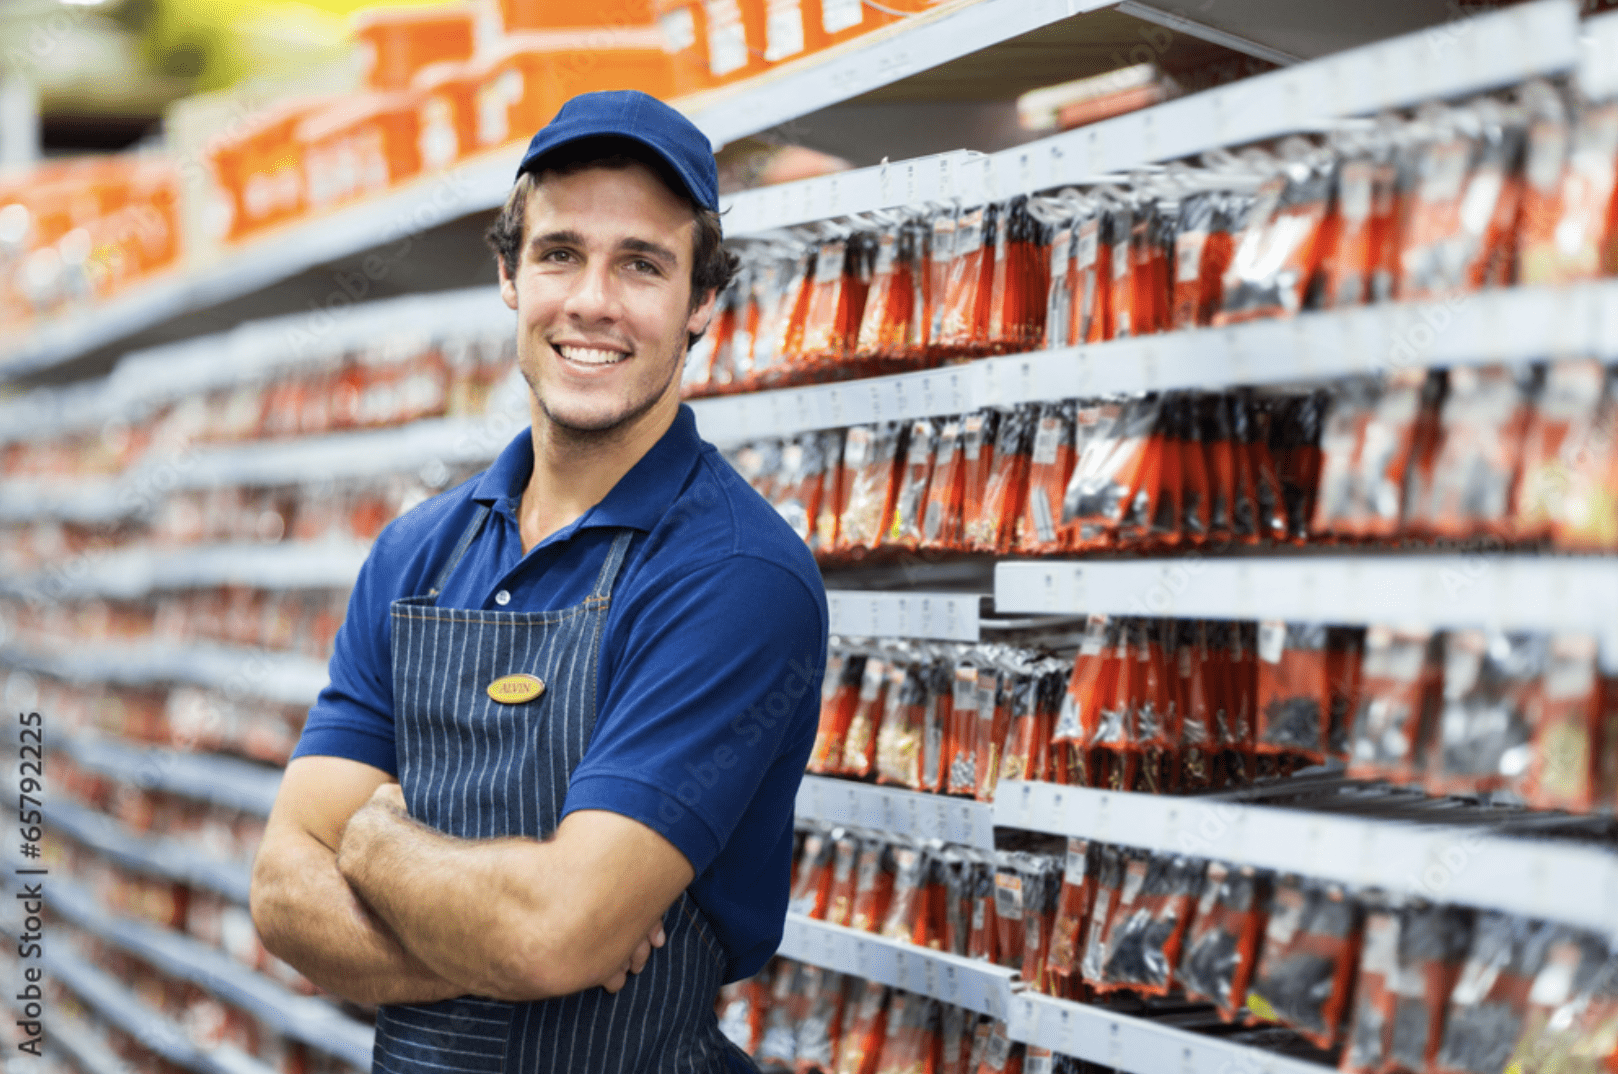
(460, 549)
(609, 569)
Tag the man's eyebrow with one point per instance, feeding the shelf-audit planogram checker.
(650, 249)
(558, 238)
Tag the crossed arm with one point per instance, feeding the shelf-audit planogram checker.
(371, 905)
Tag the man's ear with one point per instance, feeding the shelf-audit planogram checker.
(697, 323)
(508, 289)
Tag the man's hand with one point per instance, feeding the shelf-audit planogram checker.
(637, 961)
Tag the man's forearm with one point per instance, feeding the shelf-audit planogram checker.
(310, 917)
(473, 911)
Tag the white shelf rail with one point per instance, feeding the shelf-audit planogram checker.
(1521, 592)
(1483, 52)
(302, 1018)
(206, 777)
(1503, 326)
(286, 678)
(1138, 1045)
(131, 573)
(1598, 56)
(871, 614)
(909, 814)
(1552, 880)
(963, 982)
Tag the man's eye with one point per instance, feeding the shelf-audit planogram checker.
(557, 255)
(640, 264)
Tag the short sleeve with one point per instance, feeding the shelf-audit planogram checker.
(711, 684)
(353, 715)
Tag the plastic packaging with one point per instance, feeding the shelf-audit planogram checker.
(1490, 998)
(1221, 946)
(1308, 960)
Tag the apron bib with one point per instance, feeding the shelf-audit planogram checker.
(477, 769)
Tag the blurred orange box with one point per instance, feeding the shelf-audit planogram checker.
(528, 76)
(359, 146)
(831, 22)
(448, 120)
(260, 170)
(713, 42)
(397, 42)
(564, 14)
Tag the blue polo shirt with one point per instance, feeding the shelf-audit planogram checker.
(709, 673)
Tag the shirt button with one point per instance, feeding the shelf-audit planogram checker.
(502, 598)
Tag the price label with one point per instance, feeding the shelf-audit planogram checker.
(913, 807)
(930, 978)
(950, 986)
(862, 959)
(901, 970)
(939, 819)
(887, 809)
(851, 808)
(1115, 1045)
(834, 406)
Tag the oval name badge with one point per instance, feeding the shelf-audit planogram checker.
(515, 689)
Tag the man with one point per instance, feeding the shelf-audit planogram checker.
(591, 670)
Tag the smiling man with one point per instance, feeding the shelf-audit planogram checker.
(544, 807)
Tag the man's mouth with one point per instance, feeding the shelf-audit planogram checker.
(589, 355)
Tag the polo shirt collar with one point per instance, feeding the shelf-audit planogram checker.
(639, 499)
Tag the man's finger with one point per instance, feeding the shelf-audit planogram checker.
(638, 959)
(615, 982)
(659, 937)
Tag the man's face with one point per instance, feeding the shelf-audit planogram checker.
(603, 297)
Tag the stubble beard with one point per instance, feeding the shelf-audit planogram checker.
(605, 429)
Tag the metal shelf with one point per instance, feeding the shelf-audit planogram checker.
(1510, 325)
(1139, 1045)
(155, 855)
(285, 678)
(1521, 592)
(206, 777)
(940, 616)
(1598, 57)
(1554, 881)
(963, 982)
(303, 1018)
(131, 573)
(909, 814)
(1489, 51)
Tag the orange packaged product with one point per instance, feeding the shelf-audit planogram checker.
(993, 526)
(833, 495)
(1562, 425)
(1187, 299)
(803, 478)
(1021, 280)
(1345, 265)
(1579, 243)
(870, 474)
(1587, 516)
(1090, 684)
(870, 726)
(979, 440)
(1009, 904)
(1196, 484)
(961, 736)
(1110, 867)
(1393, 718)
(859, 745)
(811, 891)
(1490, 1001)
(941, 232)
(907, 910)
(1293, 704)
(1049, 471)
(1541, 238)
(962, 304)
(1108, 473)
(873, 887)
(1093, 242)
(1072, 914)
(1129, 219)
(994, 724)
(941, 515)
(1565, 735)
(819, 1032)
(1042, 882)
(884, 327)
(1468, 489)
(836, 300)
(840, 899)
(1221, 945)
(839, 695)
(906, 530)
(778, 357)
(1149, 923)
(866, 1026)
(395, 43)
(1276, 257)
(1059, 292)
(1002, 1055)
(1021, 758)
(1492, 689)
(261, 170)
(901, 744)
(1307, 965)
(1342, 436)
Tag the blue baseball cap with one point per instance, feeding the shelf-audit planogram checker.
(639, 117)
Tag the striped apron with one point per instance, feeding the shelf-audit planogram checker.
(478, 769)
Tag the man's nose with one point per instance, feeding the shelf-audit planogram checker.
(594, 295)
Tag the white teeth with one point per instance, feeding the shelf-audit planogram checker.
(590, 355)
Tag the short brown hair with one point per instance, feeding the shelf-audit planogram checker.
(712, 266)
